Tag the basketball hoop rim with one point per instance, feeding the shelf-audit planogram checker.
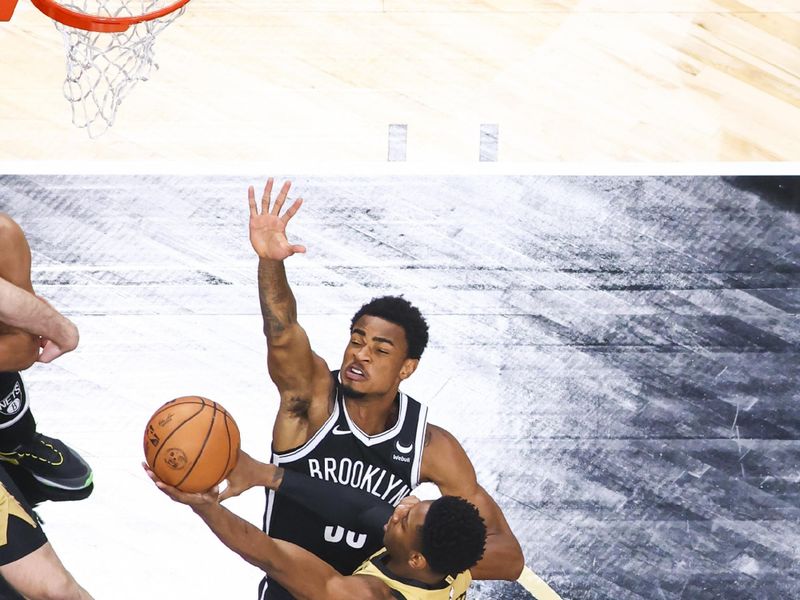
(96, 23)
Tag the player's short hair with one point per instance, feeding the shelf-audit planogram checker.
(399, 311)
(453, 535)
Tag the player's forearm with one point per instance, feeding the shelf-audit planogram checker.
(23, 310)
(299, 571)
(253, 473)
(242, 537)
(278, 306)
(446, 464)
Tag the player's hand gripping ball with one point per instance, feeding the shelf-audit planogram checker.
(191, 443)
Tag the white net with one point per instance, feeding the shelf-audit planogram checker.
(102, 68)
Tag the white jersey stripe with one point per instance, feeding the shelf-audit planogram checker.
(267, 521)
(419, 442)
(371, 440)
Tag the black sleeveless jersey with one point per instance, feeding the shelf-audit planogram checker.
(386, 465)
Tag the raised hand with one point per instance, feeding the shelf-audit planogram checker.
(268, 228)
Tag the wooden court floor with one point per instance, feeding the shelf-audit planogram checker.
(311, 80)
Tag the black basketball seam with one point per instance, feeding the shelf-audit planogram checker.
(228, 433)
(170, 404)
(205, 441)
(171, 433)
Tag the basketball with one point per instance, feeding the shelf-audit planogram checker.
(191, 443)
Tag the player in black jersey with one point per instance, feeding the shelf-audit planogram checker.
(33, 467)
(354, 427)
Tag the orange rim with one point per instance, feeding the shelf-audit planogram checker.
(7, 9)
(80, 20)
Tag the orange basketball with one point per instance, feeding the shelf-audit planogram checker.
(191, 443)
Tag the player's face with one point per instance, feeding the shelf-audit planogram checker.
(375, 360)
(403, 536)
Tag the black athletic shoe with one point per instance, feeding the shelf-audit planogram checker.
(36, 493)
(52, 463)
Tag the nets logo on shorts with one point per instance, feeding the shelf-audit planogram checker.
(11, 404)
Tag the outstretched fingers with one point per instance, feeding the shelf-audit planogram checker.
(251, 200)
(276, 208)
(266, 196)
(279, 201)
(292, 210)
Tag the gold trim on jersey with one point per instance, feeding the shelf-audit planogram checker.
(409, 589)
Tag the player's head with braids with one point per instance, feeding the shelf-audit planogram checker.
(453, 536)
(399, 311)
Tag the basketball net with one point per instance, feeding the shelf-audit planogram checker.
(103, 67)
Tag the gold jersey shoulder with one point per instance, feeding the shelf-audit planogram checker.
(449, 589)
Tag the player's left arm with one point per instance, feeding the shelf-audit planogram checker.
(445, 463)
(304, 575)
(23, 316)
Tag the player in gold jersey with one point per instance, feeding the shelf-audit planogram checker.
(430, 545)
(448, 536)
